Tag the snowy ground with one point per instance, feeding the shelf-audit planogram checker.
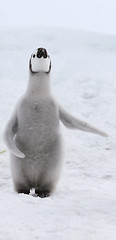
(83, 206)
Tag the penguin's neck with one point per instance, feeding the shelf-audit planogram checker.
(39, 85)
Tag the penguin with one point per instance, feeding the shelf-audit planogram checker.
(33, 133)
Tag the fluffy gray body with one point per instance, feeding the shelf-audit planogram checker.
(39, 138)
(33, 133)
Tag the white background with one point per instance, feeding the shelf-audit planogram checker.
(93, 15)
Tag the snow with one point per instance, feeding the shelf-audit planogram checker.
(83, 205)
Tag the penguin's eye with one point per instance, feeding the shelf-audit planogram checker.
(34, 56)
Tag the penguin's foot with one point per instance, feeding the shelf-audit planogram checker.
(20, 188)
(42, 194)
(25, 191)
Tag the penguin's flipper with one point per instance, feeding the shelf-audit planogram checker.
(73, 123)
(8, 136)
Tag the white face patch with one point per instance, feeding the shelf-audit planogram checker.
(39, 64)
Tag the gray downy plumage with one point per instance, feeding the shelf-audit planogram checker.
(33, 134)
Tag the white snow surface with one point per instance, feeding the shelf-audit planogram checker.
(83, 206)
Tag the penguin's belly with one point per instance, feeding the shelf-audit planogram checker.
(38, 129)
(43, 158)
(39, 138)
(41, 142)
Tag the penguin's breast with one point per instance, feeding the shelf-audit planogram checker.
(38, 125)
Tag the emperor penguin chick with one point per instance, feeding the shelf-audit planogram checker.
(33, 134)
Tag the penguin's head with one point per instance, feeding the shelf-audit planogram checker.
(40, 61)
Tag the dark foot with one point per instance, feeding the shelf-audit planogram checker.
(42, 194)
(22, 189)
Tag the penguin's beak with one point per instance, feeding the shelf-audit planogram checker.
(41, 52)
